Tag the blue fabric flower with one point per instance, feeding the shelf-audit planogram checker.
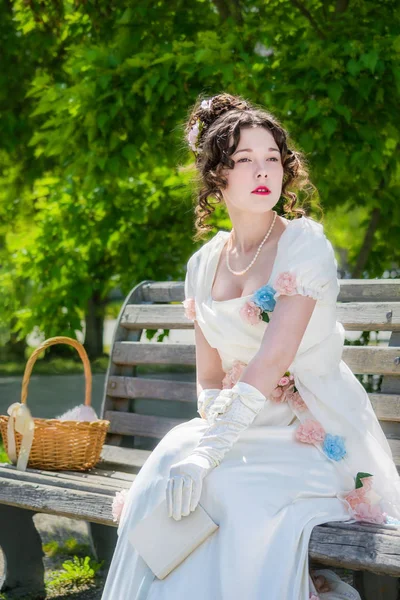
(333, 446)
(264, 298)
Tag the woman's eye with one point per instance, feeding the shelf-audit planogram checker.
(272, 158)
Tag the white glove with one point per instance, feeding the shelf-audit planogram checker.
(185, 484)
(205, 401)
(236, 409)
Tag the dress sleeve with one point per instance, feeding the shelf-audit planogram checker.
(309, 267)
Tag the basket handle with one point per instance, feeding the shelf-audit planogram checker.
(50, 342)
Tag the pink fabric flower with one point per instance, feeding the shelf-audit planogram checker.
(283, 381)
(285, 283)
(118, 505)
(233, 374)
(367, 512)
(314, 596)
(251, 313)
(364, 503)
(190, 308)
(310, 432)
(296, 401)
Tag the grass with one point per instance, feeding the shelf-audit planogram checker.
(71, 569)
(63, 366)
(3, 457)
(57, 366)
(74, 573)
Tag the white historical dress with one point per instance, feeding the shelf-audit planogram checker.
(271, 489)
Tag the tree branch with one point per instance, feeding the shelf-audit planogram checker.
(367, 243)
(309, 17)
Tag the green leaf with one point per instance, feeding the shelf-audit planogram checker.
(335, 90)
(329, 126)
(360, 476)
(265, 316)
(370, 59)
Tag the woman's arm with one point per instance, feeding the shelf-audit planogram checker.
(209, 372)
(280, 343)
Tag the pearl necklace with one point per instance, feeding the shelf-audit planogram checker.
(256, 254)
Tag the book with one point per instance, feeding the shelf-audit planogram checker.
(164, 543)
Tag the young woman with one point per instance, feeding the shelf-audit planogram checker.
(287, 437)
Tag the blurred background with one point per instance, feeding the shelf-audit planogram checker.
(95, 193)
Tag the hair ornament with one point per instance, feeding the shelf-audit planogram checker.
(206, 104)
(194, 134)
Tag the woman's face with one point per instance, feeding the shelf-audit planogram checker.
(258, 164)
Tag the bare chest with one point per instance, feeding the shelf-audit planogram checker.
(226, 286)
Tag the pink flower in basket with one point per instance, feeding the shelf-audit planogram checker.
(310, 432)
(190, 308)
(251, 313)
(314, 596)
(118, 505)
(285, 283)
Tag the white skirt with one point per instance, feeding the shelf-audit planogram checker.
(267, 495)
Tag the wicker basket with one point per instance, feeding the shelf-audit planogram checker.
(61, 445)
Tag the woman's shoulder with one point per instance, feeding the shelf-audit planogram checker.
(208, 247)
(306, 233)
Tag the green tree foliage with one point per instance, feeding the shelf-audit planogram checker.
(94, 97)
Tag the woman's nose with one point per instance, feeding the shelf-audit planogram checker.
(262, 171)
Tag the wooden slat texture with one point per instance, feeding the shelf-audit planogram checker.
(162, 389)
(360, 359)
(95, 484)
(143, 425)
(386, 406)
(372, 359)
(357, 546)
(75, 504)
(351, 290)
(136, 353)
(155, 316)
(129, 457)
(354, 316)
(369, 316)
(395, 448)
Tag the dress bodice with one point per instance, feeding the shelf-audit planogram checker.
(302, 249)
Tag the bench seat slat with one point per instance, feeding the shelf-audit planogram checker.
(107, 487)
(51, 499)
(329, 544)
(352, 546)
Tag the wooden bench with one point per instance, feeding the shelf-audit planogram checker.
(143, 407)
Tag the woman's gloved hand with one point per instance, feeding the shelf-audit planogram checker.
(236, 409)
(206, 401)
(185, 485)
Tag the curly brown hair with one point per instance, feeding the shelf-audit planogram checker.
(220, 118)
